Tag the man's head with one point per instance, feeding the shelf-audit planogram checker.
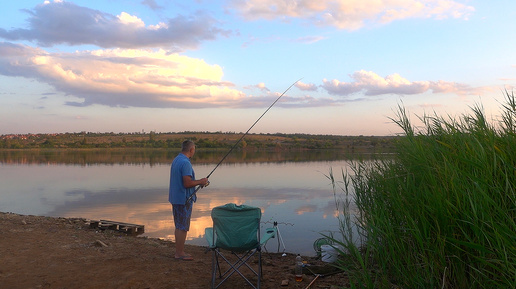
(188, 148)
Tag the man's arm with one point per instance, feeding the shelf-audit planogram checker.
(189, 183)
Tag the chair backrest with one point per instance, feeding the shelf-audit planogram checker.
(236, 228)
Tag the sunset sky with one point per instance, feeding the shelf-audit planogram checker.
(171, 66)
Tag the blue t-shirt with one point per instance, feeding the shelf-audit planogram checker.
(177, 193)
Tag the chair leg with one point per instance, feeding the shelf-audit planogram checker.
(259, 268)
(235, 266)
(217, 253)
(214, 266)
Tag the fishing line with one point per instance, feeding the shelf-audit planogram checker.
(277, 223)
(280, 239)
(234, 146)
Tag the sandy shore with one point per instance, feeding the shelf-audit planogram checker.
(45, 252)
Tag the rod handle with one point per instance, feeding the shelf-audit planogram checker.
(196, 189)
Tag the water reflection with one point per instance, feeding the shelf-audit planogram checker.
(162, 156)
(295, 194)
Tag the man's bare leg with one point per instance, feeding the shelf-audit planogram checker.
(180, 243)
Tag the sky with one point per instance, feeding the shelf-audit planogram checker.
(341, 67)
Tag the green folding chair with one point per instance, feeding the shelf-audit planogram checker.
(236, 230)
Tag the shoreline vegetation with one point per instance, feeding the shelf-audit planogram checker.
(160, 148)
(203, 140)
(441, 212)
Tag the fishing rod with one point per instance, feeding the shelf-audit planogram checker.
(242, 137)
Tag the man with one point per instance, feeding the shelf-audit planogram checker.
(182, 185)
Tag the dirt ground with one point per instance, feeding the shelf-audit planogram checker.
(45, 252)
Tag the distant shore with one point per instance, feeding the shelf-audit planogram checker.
(204, 141)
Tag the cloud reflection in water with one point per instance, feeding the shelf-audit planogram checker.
(296, 195)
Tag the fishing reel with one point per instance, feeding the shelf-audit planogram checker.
(207, 184)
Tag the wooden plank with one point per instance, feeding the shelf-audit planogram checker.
(118, 226)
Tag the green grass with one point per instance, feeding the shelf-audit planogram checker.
(442, 212)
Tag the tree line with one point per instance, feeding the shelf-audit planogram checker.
(203, 140)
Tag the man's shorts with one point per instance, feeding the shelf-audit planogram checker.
(182, 214)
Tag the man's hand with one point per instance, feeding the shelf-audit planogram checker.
(189, 183)
(204, 182)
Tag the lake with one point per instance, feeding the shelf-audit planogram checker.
(132, 186)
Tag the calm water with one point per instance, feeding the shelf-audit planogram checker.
(294, 193)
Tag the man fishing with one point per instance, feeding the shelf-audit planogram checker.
(182, 186)
(182, 192)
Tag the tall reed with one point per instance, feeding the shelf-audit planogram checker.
(442, 212)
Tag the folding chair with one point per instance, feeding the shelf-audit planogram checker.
(237, 229)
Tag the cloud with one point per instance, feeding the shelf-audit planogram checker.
(287, 101)
(350, 14)
(157, 78)
(137, 78)
(152, 4)
(118, 77)
(309, 39)
(306, 86)
(371, 84)
(60, 22)
(261, 86)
